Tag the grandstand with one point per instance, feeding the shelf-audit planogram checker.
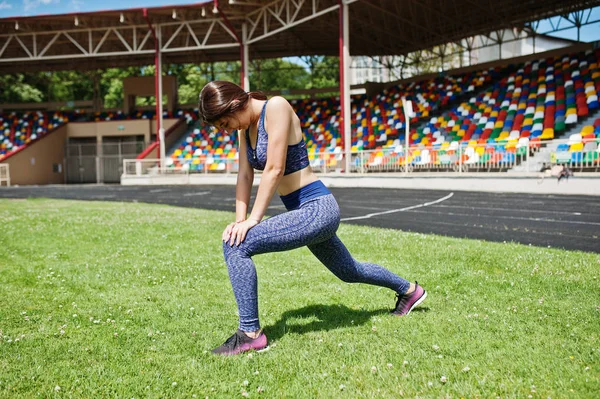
(507, 116)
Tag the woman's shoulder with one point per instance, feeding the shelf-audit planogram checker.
(278, 103)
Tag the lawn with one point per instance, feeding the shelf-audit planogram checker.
(127, 300)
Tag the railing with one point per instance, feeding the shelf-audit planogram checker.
(456, 157)
(4, 174)
(142, 167)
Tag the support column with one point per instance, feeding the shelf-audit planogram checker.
(245, 78)
(159, 100)
(346, 111)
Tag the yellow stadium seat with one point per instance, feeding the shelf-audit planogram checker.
(587, 129)
(577, 147)
(547, 133)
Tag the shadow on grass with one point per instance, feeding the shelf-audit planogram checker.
(319, 318)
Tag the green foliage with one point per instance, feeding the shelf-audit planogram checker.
(324, 71)
(16, 89)
(277, 74)
(192, 77)
(270, 74)
(126, 300)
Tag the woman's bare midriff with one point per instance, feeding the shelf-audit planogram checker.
(294, 181)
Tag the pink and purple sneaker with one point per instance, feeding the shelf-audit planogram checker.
(406, 303)
(240, 343)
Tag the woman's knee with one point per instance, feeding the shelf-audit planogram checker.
(234, 251)
(349, 277)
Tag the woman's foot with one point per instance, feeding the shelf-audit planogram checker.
(407, 302)
(240, 343)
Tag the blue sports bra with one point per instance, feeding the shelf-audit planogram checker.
(297, 156)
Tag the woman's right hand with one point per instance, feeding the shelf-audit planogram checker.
(227, 231)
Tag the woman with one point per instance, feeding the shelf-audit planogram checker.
(270, 139)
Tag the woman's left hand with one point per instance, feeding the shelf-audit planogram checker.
(239, 231)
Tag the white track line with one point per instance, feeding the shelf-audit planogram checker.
(198, 193)
(399, 210)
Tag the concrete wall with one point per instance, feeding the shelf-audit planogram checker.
(144, 86)
(110, 129)
(35, 163)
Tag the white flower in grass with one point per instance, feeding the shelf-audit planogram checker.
(342, 386)
(245, 394)
(467, 368)
(259, 389)
(57, 388)
(435, 347)
(374, 369)
(404, 363)
(443, 379)
(245, 383)
(174, 384)
(75, 315)
(429, 383)
(62, 332)
(390, 365)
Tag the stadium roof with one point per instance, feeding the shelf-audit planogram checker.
(203, 33)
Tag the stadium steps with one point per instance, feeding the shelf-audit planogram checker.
(182, 140)
(542, 157)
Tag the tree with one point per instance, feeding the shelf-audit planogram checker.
(324, 71)
(277, 74)
(15, 89)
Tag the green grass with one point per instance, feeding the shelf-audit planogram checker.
(126, 300)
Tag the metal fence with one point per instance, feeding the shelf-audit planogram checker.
(4, 175)
(98, 163)
(489, 157)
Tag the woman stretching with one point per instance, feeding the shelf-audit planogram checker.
(270, 139)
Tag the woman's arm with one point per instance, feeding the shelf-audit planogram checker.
(279, 112)
(243, 187)
(245, 178)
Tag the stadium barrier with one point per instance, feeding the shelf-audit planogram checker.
(4, 174)
(458, 158)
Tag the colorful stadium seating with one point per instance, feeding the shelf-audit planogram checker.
(484, 119)
(18, 129)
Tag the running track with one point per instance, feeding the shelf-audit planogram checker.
(568, 222)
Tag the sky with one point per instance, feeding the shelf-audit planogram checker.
(26, 8)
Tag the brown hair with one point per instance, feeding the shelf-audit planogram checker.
(221, 98)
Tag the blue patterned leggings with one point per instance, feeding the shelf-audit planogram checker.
(313, 224)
